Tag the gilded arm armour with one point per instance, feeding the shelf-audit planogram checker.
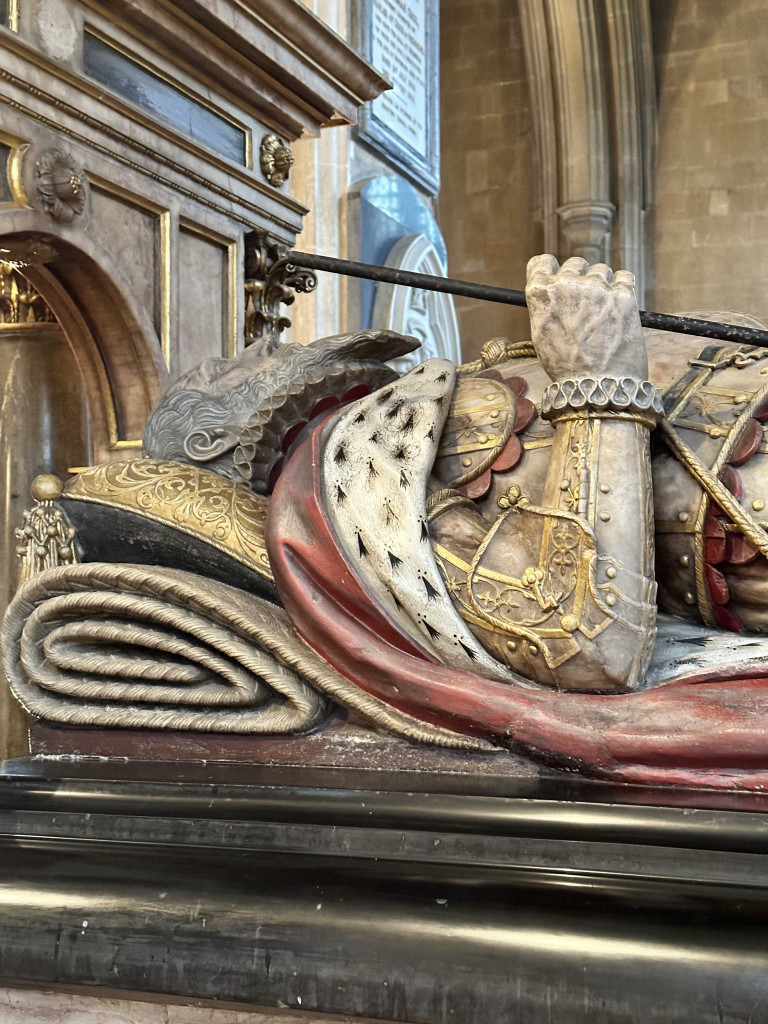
(563, 592)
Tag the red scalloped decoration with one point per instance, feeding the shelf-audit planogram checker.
(748, 443)
(732, 481)
(740, 550)
(477, 488)
(715, 541)
(524, 415)
(722, 549)
(510, 457)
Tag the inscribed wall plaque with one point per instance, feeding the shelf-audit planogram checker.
(400, 38)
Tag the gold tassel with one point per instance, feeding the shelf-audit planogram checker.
(46, 539)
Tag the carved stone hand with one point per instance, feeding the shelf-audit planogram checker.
(584, 319)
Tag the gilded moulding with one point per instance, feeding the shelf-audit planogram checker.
(201, 504)
(20, 303)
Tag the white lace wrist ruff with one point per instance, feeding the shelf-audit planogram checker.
(623, 397)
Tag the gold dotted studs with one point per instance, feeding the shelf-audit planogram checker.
(605, 517)
(685, 561)
(511, 645)
(683, 516)
(610, 572)
(758, 504)
(605, 489)
(569, 623)
(689, 598)
(466, 461)
(610, 600)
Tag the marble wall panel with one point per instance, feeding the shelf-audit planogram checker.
(131, 235)
(204, 310)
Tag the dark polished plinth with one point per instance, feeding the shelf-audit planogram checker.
(400, 895)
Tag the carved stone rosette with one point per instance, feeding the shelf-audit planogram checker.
(270, 279)
(62, 186)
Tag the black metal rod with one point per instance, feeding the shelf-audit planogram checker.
(513, 297)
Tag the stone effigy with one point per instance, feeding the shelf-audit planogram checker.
(463, 556)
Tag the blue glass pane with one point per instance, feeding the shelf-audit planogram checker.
(390, 207)
(164, 101)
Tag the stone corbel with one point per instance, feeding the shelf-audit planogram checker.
(270, 282)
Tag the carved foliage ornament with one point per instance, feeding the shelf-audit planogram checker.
(275, 159)
(270, 279)
(61, 185)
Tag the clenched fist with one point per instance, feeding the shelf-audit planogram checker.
(584, 319)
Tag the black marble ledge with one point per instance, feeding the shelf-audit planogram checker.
(402, 896)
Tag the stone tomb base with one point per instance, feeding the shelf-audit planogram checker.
(338, 744)
(381, 893)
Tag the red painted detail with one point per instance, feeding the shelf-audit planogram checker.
(726, 619)
(732, 481)
(274, 474)
(761, 412)
(292, 433)
(525, 414)
(717, 585)
(517, 384)
(477, 488)
(358, 391)
(714, 541)
(324, 405)
(740, 550)
(749, 441)
(510, 457)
